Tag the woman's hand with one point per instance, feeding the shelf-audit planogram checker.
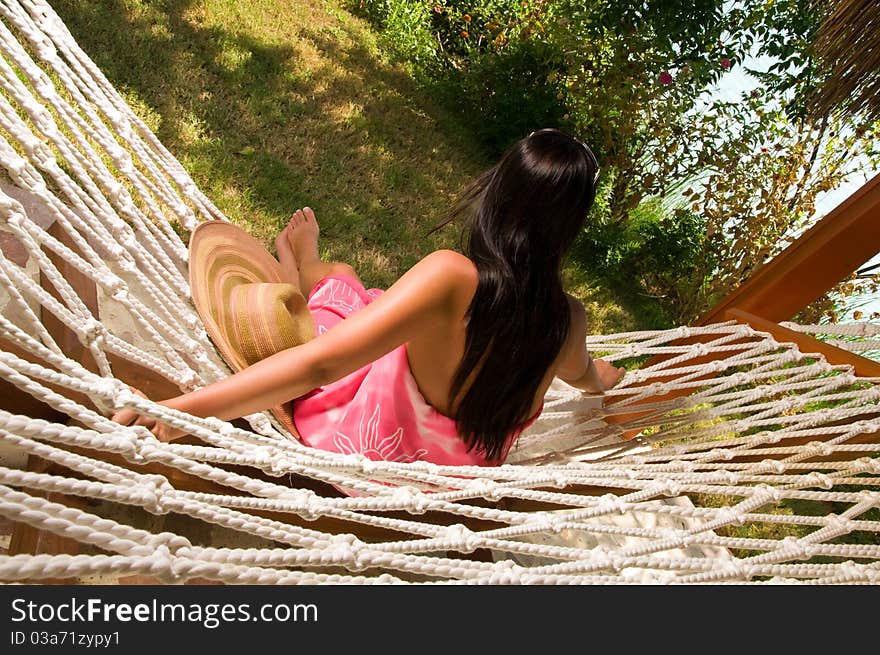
(609, 374)
(161, 431)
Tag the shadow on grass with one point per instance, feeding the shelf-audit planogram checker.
(267, 122)
(272, 106)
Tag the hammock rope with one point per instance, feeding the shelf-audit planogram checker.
(726, 456)
(862, 337)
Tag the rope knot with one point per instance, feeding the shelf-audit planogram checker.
(463, 537)
(735, 569)
(819, 448)
(111, 284)
(863, 427)
(113, 390)
(728, 515)
(162, 564)
(600, 557)
(506, 572)
(868, 465)
(188, 379)
(699, 349)
(122, 159)
(821, 480)
(156, 488)
(796, 549)
(368, 466)
(852, 572)
(404, 495)
(419, 504)
(610, 503)
(46, 50)
(345, 548)
(279, 466)
(681, 332)
(767, 491)
(481, 487)
(92, 332)
(16, 167)
(838, 524)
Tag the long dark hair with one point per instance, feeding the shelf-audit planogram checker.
(524, 214)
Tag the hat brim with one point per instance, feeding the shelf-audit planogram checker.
(221, 256)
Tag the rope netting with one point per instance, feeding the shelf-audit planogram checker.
(862, 337)
(724, 455)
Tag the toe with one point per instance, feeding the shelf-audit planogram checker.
(309, 214)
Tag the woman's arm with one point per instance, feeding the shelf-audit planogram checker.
(419, 301)
(577, 367)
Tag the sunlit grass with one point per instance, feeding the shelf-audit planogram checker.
(272, 106)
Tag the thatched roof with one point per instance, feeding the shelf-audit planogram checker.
(848, 44)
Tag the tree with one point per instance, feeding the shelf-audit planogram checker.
(746, 170)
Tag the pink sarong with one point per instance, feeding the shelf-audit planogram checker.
(378, 410)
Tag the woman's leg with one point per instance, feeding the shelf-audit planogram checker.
(297, 247)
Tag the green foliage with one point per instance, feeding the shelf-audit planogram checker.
(726, 183)
(491, 60)
(513, 92)
(661, 255)
(406, 30)
(674, 262)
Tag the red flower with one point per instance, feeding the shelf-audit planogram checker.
(725, 63)
(467, 18)
(437, 10)
(464, 34)
(665, 78)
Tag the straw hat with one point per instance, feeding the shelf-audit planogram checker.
(248, 310)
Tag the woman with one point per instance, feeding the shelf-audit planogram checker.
(452, 362)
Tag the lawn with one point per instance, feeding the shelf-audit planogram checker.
(275, 105)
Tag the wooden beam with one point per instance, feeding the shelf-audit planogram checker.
(26, 539)
(864, 367)
(823, 256)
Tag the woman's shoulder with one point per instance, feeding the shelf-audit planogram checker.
(450, 268)
(440, 277)
(446, 276)
(450, 260)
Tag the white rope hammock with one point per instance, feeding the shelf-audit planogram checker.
(751, 461)
(862, 337)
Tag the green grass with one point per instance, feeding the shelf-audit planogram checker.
(273, 105)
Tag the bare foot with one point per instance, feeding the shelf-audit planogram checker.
(289, 264)
(302, 233)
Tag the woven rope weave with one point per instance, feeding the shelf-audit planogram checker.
(751, 462)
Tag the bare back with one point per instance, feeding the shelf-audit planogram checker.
(435, 354)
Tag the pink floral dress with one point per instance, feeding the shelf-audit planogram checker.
(378, 410)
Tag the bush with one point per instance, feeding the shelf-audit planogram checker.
(508, 94)
(406, 31)
(673, 262)
(487, 59)
(663, 256)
